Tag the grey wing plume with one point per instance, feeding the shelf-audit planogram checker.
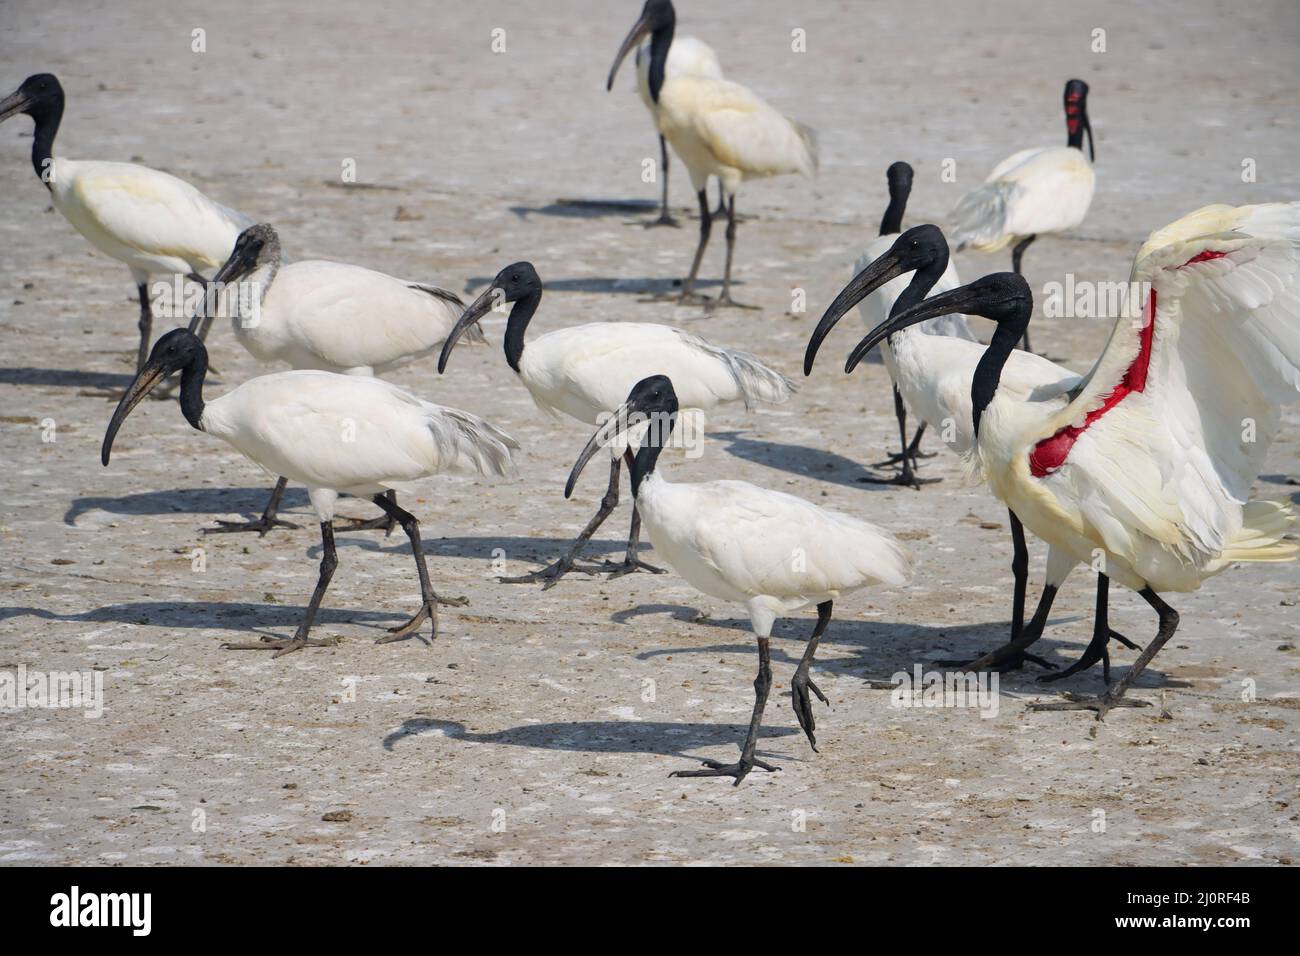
(474, 334)
(810, 140)
(756, 382)
(980, 217)
(473, 443)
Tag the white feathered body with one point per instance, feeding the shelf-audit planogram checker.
(687, 56)
(1032, 192)
(720, 128)
(586, 371)
(772, 552)
(337, 317)
(360, 436)
(1159, 483)
(151, 221)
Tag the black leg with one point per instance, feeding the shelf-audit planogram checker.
(552, 573)
(263, 524)
(1097, 649)
(199, 326)
(632, 562)
(385, 521)
(665, 217)
(146, 325)
(725, 298)
(802, 683)
(1012, 656)
(722, 201)
(906, 475)
(1016, 255)
(1114, 696)
(328, 562)
(429, 599)
(913, 451)
(747, 762)
(706, 225)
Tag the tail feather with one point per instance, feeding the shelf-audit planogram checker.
(472, 442)
(979, 218)
(755, 381)
(1261, 538)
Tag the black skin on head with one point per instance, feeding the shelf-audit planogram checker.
(517, 281)
(41, 98)
(899, 177)
(40, 90)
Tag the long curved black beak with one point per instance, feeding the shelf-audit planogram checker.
(149, 378)
(1087, 128)
(613, 434)
(946, 303)
(478, 308)
(639, 31)
(887, 267)
(12, 104)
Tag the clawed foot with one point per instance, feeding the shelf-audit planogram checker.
(261, 525)
(725, 301)
(1101, 703)
(282, 646)
(738, 770)
(896, 459)
(999, 661)
(664, 220)
(366, 524)
(799, 688)
(905, 477)
(428, 612)
(1097, 650)
(617, 569)
(550, 575)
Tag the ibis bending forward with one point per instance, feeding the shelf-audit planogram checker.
(151, 221)
(876, 306)
(934, 373)
(1032, 192)
(717, 128)
(334, 433)
(328, 316)
(772, 552)
(1149, 460)
(585, 372)
(686, 57)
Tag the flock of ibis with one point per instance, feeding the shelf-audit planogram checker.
(1140, 468)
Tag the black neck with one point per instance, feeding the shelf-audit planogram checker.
(988, 373)
(893, 221)
(192, 388)
(47, 118)
(517, 325)
(647, 456)
(923, 280)
(660, 41)
(1074, 137)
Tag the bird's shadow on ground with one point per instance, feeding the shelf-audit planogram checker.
(595, 736)
(803, 461)
(66, 378)
(886, 648)
(666, 288)
(1285, 481)
(206, 501)
(203, 615)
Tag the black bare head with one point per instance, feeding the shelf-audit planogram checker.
(651, 408)
(180, 350)
(658, 20)
(518, 283)
(255, 246)
(1076, 116)
(41, 98)
(922, 249)
(899, 177)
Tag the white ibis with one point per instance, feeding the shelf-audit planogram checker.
(329, 316)
(876, 307)
(1033, 192)
(934, 374)
(335, 434)
(585, 372)
(688, 56)
(1149, 461)
(772, 552)
(151, 221)
(717, 128)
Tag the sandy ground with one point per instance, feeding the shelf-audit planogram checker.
(526, 732)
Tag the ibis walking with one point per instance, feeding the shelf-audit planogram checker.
(335, 434)
(717, 128)
(149, 220)
(586, 371)
(772, 552)
(1147, 463)
(1033, 192)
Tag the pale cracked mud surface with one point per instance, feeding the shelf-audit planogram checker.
(523, 735)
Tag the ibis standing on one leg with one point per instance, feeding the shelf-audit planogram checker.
(334, 433)
(328, 316)
(772, 552)
(717, 128)
(151, 221)
(1149, 461)
(585, 372)
(1032, 192)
